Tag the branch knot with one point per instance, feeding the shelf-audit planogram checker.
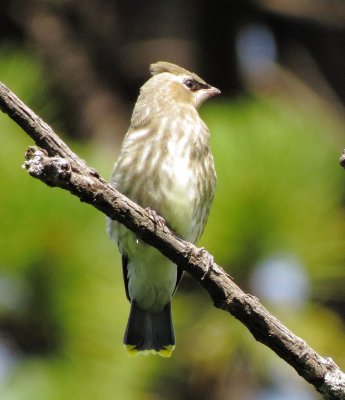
(50, 169)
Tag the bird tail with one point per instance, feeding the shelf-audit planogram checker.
(149, 332)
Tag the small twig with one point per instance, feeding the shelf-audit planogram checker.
(58, 166)
(342, 159)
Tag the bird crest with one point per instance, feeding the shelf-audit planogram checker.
(164, 66)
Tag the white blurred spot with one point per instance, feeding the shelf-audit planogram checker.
(281, 280)
(283, 385)
(13, 294)
(8, 360)
(256, 52)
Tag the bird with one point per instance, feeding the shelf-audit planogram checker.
(165, 165)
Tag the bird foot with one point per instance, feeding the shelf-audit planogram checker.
(209, 262)
(155, 218)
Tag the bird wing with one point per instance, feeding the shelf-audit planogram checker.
(178, 278)
(125, 274)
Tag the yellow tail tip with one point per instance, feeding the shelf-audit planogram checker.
(166, 352)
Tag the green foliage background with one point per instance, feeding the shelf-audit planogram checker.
(280, 190)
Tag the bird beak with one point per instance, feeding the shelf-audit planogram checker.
(213, 91)
(205, 93)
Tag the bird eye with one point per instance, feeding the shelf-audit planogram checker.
(189, 83)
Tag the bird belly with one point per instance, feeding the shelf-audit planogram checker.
(151, 277)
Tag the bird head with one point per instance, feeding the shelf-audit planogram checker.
(170, 90)
(180, 84)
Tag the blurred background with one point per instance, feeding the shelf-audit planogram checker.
(277, 223)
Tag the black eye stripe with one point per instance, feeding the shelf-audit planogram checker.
(195, 85)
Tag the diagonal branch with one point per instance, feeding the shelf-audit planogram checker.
(56, 165)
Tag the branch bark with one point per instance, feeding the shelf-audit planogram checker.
(56, 165)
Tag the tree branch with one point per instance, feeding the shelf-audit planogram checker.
(56, 165)
(342, 159)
